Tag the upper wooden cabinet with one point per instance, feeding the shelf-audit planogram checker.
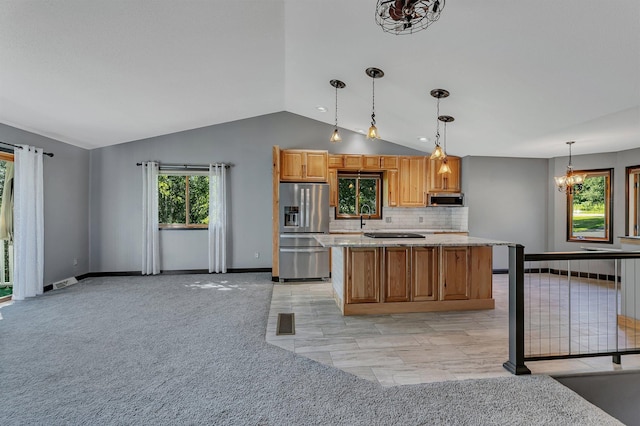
(388, 162)
(297, 165)
(371, 162)
(412, 181)
(335, 161)
(333, 187)
(352, 162)
(449, 182)
(391, 179)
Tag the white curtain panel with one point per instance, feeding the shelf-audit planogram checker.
(217, 218)
(150, 233)
(28, 277)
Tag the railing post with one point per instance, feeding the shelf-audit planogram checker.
(515, 364)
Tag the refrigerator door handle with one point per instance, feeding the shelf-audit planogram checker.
(303, 250)
(308, 212)
(302, 211)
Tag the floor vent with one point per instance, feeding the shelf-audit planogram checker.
(64, 283)
(286, 325)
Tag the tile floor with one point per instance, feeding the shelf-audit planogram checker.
(412, 348)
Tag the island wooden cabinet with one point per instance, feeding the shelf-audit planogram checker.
(297, 165)
(396, 279)
(424, 274)
(412, 182)
(455, 273)
(449, 182)
(363, 275)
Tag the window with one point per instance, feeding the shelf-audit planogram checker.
(183, 200)
(633, 201)
(589, 211)
(359, 194)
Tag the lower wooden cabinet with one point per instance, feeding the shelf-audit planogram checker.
(396, 278)
(363, 275)
(424, 274)
(455, 273)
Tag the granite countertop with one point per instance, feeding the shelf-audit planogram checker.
(336, 240)
(412, 230)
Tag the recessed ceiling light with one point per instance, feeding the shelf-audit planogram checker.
(321, 108)
(423, 139)
(360, 131)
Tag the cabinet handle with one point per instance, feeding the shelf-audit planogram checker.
(304, 170)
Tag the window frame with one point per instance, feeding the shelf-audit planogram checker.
(628, 218)
(187, 174)
(358, 175)
(608, 213)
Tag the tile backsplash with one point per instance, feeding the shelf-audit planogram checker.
(432, 218)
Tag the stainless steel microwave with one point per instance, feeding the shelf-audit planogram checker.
(446, 199)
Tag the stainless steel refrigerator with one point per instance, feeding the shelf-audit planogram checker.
(304, 211)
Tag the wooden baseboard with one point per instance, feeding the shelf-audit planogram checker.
(628, 322)
(409, 307)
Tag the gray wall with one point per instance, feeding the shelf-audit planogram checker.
(115, 205)
(507, 201)
(66, 192)
(557, 201)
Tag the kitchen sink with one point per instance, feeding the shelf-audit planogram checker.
(392, 235)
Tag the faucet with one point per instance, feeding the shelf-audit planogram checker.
(362, 223)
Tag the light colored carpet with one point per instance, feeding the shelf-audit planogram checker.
(190, 349)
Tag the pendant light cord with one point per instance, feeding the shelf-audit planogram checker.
(336, 106)
(438, 122)
(373, 102)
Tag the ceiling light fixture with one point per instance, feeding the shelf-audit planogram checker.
(437, 150)
(335, 136)
(373, 130)
(570, 183)
(407, 16)
(444, 167)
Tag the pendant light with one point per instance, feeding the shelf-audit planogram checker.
(335, 136)
(437, 153)
(570, 183)
(444, 167)
(373, 130)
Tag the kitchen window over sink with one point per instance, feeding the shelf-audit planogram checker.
(589, 210)
(183, 200)
(359, 194)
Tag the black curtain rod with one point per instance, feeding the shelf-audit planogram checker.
(188, 166)
(19, 147)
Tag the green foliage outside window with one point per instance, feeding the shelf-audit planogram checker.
(358, 195)
(183, 201)
(589, 208)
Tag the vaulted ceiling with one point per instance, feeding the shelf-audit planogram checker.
(524, 77)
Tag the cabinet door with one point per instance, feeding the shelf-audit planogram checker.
(291, 165)
(335, 161)
(371, 162)
(389, 162)
(397, 274)
(424, 273)
(392, 188)
(412, 181)
(481, 272)
(352, 162)
(333, 187)
(449, 182)
(455, 273)
(363, 275)
(316, 169)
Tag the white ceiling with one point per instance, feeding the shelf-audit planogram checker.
(524, 77)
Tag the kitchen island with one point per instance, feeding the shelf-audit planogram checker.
(441, 272)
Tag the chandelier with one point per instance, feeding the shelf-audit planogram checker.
(571, 182)
(407, 16)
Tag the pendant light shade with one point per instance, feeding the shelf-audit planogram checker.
(373, 73)
(335, 136)
(438, 153)
(444, 167)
